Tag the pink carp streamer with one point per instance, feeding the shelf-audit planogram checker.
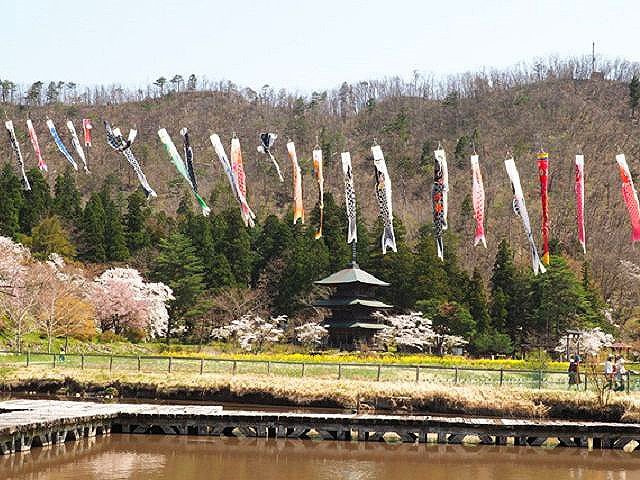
(317, 170)
(298, 207)
(36, 147)
(579, 187)
(630, 197)
(238, 172)
(477, 194)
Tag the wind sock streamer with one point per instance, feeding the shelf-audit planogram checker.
(477, 195)
(520, 209)
(188, 158)
(543, 173)
(439, 198)
(317, 171)
(86, 129)
(16, 150)
(384, 197)
(180, 166)
(579, 187)
(238, 172)
(61, 147)
(441, 157)
(298, 208)
(226, 165)
(630, 197)
(116, 141)
(36, 147)
(76, 144)
(266, 144)
(349, 197)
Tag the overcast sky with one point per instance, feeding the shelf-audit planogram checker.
(298, 44)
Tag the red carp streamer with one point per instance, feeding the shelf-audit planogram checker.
(543, 172)
(630, 197)
(36, 147)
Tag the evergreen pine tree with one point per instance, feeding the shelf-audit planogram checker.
(66, 203)
(37, 201)
(274, 237)
(10, 202)
(235, 244)
(114, 237)
(93, 230)
(431, 282)
(179, 267)
(334, 232)
(477, 302)
(135, 219)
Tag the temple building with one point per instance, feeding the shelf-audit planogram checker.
(352, 303)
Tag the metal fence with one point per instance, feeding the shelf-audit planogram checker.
(538, 379)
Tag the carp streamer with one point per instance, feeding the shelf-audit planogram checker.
(266, 144)
(119, 144)
(181, 167)
(188, 158)
(317, 171)
(16, 150)
(543, 173)
(520, 209)
(61, 147)
(384, 198)
(477, 195)
(298, 208)
(630, 196)
(76, 144)
(579, 187)
(439, 198)
(238, 172)
(36, 147)
(86, 130)
(349, 197)
(226, 165)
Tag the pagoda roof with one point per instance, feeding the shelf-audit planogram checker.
(351, 301)
(352, 274)
(355, 324)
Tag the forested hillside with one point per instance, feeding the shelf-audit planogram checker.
(556, 105)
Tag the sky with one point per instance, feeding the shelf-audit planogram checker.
(296, 44)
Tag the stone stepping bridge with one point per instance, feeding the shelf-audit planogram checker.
(30, 423)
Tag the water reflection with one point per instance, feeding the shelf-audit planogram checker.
(142, 457)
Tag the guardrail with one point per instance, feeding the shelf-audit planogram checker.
(539, 379)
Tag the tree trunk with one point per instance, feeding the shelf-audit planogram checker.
(48, 343)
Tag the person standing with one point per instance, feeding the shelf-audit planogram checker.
(574, 372)
(620, 372)
(609, 372)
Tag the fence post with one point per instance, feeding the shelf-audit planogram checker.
(82, 361)
(378, 375)
(501, 376)
(456, 379)
(417, 373)
(269, 367)
(302, 369)
(54, 360)
(586, 377)
(628, 382)
(339, 371)
(110, 362)
(201, 366)
(28, 357)
(235, 367)
(170, 361)
(539, 379)
(139, 364)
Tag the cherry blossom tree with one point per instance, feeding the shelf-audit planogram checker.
(126, 303)
(252, 332)
(590, 341)
(311, 334)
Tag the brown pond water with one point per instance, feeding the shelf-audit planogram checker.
(141, 457)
